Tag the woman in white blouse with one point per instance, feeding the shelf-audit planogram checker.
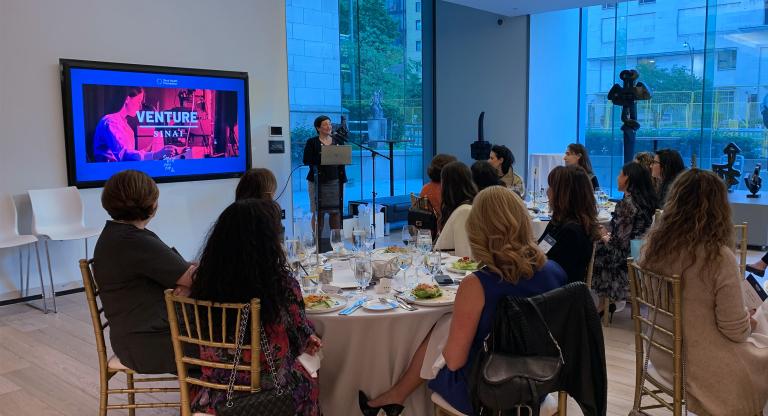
(457, 193)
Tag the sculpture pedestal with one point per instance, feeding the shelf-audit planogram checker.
(377, 129)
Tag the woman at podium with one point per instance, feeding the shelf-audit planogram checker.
(331, 178)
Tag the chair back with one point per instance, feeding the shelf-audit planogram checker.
(662, 294)
(657, 216)
(741, 246)
(591, 266)
(200, 323)
(56, 208)
(96, 310)
(8, 218)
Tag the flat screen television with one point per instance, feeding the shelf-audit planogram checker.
(175, 124)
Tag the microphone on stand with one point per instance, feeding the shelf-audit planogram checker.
(342, 133)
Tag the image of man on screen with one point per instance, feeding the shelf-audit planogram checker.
(115, 140)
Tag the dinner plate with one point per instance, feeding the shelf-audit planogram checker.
(339, 303)
(377, 306)
(447, 298)
(459, 271)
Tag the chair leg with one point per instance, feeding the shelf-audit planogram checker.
(131, 396)
(562, 403)
(606, 314)
(50, 276)
(42, 283)
(103, 395)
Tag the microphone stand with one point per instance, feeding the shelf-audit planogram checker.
(374, 153)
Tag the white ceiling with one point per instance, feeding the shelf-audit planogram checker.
(523, 7)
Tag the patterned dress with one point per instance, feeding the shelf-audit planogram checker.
(609, 276)
(287, 339)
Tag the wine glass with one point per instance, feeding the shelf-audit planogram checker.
(424, 241)
(336, 242)
(292, 248)
(358, 235)
(433, 264)
(370, 239)
(308, 241)
(363, 270)
(409, 234)
(404, 261)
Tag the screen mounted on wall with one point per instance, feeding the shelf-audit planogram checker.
(175, 124)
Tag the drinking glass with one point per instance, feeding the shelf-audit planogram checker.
(308, 241)
(404, 261)
(409, 234)
(358, 235)
(362, 269)
(336, 241)
(432, 263)
(424, 243)
(370, 239)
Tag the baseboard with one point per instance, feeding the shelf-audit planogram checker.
(38, 296)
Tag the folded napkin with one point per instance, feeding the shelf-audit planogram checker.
(311, 362)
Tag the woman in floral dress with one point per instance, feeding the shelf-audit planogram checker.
(243, 259)
(631, 218)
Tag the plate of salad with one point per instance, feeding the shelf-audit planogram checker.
(322, 303)
(463, 265)
(432, 295)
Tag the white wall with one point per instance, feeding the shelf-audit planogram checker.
(480, 66)
(238, 35)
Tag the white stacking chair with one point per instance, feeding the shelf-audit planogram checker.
(57, 215)
(9, 238)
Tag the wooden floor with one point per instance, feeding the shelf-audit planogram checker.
(48, 363)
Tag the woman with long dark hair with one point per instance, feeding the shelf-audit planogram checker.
(631, 218)
(577, 155)
(503, 160)
(243, 259)
(573, 229)
(433, 190)
(458, 192)
(693, 238)
(667, 164)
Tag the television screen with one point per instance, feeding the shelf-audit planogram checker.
(175, 124)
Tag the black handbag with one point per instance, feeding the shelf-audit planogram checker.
(276, 402)
(422, 215)
(503, 382)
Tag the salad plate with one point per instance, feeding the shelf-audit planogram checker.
(323, 303)
(463, 265)
(432, 295)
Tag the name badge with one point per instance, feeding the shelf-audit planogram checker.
(547, 243)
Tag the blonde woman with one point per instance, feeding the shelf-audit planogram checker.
(500, 237)
(725, 371)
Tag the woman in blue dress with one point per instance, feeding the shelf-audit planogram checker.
(500, 237)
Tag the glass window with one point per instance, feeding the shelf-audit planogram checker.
(360, 59)
(706, 64)
(607, 6)
(646, 1)
(726, 59)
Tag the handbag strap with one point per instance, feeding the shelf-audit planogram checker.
(238, 353)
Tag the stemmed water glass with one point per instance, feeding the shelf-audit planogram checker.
(404, 261)
(292, 248)
(432, 264)
(358, 235)
(308, 241)
(409, 234)
(363, 271)
(370, 239)
(336, 242)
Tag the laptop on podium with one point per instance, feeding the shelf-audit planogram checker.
(336, 155)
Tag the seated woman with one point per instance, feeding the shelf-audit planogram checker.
(693, 239)
(457, 194)
(433, 189)
(576, 155)
(569, 236)
(257, 183)
(485, 175)
(631, 218)
(500, 234)
(502, 159)
(667, 164)
(132, 268)
(230, 272)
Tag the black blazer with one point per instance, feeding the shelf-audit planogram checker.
(572, 249)
(312, 158)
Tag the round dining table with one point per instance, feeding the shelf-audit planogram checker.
(369, 350)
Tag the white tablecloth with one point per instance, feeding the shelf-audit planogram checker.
(369, 351)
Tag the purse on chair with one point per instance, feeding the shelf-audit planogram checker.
(502, 382)
(422, 214)
(276, 402)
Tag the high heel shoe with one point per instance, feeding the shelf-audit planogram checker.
(611, 310)
(755, 271)
(392, 409)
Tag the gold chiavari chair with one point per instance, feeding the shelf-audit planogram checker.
(741, 246)
(108, 367)
(192, 324)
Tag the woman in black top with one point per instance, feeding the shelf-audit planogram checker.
(331, 177)
(569, 237)
(132, 268)
(667, 164)
(576, 155)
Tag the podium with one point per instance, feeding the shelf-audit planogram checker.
(333, 155)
